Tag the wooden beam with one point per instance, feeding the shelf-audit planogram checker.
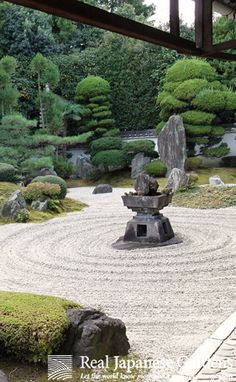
(174, 17)
(87, 14)
(203, 24)
(231, 44)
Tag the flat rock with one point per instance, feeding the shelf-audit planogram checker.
(3, 377)
(95, 335)
(102, 189)
(215, 181)
(172, 144)
(15, 204)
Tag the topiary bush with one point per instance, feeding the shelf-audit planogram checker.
(140, 146)
(32, 326)
(193, 163)
(192, 90)
(110, 160)
(217, 152)
(156, 168)
(35, 191)
(53, 180)
(106, 143)
(94, 93)
(7, 172)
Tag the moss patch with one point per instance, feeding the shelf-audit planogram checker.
(32, 326)
(67, 205)
(206, 197)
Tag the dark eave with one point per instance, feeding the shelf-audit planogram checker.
(78, 11)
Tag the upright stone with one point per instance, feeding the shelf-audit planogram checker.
(138, 165)
(172, 144)
(177, 180)
(14, 205)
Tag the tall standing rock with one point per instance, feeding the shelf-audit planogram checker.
(172, 144)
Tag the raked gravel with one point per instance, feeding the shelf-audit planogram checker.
(171, 298)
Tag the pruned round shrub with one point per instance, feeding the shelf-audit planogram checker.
(106, 143)
(93, 87)
(156, 168)
(53, 180)
(112, 133)
(110, 160)
(193, 163)
(210, 100)
(32, 326)
(23, 216)
(188, 90)
(172, 104)
(140, 146)
(189, 69)
(37, 190)
(7, 172)
(217, 152)
(194, 117)
(63, 168)
(196, 130)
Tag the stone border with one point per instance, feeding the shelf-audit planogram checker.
(200, 357)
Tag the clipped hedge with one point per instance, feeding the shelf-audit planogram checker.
(140, 146)
(217, 152)
(193, 163)
(32, 326)
(38, 190)
(7, 172)
(106, 143)
(188, 90)
(110, 160)
(53, 180)
(156, 168)
(210, 100)
(196, 130)
(194, 117)
(190, 69)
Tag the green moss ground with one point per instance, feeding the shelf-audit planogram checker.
(123, 179)
(32, 326)
(206, 197)
(68, 205)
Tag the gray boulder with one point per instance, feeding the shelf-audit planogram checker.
(14, 205)
(138, 165)
(102, 189)
(46, 171)
(215, 181)
(93, 334)
(146, 185)
(40, 205)
(177, 180)
(85, 169)
(3, 377)
(172, 144)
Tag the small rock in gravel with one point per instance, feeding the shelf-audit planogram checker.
(102, 189)
(215, 181)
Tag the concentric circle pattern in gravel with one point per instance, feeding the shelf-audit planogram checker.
(171, 298)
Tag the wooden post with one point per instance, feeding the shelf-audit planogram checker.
(174, 17)
(203, 24)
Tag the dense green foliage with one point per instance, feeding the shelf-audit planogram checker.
(156, 168)
(53, 180)
(110, 160)
(201, 100)
(7, 172)
(140, 146)
(32, 326)
(38, 190)
(63, 168)
(106, 143)
(94, 93)
(193, 163)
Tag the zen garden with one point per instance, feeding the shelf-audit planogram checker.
(117, 201)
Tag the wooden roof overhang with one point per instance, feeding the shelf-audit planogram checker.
(203, 46)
